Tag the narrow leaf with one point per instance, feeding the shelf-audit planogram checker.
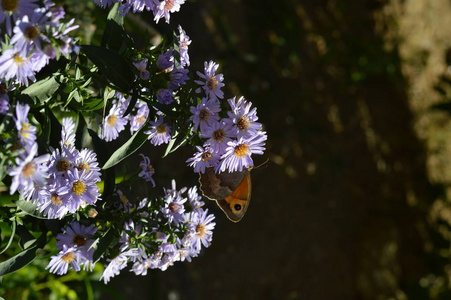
(127, 149)
(11, 238)
(22, 259)
(30, 209)
(102, 244)
(42, 90)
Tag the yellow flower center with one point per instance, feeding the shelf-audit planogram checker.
(78, 188)
(112, 120)
(68, 257)
(206, 156)
(19, 60)
(200, 229)
(140, 120)
(56, 200)
(150, 169)
(173, 207)
(212, 83)
(219, 135)
(161, 129)
(204, 114)
(24, 130)
(169, 4)
(63, 165)
(9, 5)
(84, 166)
(243, 123)
(79, 240)
(28, 170)
(31, 32)
(242, 150)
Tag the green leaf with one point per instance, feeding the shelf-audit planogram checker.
(26, 238)
(127, 149)
(89, 104)
(30, 209)
(11, 238)
(115, 68)
(132, 103)
(171, 144)
(43, 90)
(81, 134)
(102, 244)
(23, 258)
(115, 16)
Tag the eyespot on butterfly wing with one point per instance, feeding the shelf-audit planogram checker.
(230, 190)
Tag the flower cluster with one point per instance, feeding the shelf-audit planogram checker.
(34, 36)
(60, 182)
(75, 249)
(156, 101)
(229, 141)
(160, 9)
(159, 132)
(180, 227)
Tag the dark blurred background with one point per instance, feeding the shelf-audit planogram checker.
(353, 202)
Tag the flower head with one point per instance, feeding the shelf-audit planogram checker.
(243, 117)
(202, 159)
(238, 153)
(147, 170)
(205, 114)
(113, 123)
(213, 82)
(159, 133)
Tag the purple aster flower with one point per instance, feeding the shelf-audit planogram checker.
(203, 158)
(218, 134)
(16, 65)
(165, 61)
(86, 161)
(142, 68)
(30, 171)
(147, 170)
(83, 189)
(184, 42)
(164, 96)
(173, 191)
(117, 264)
(26, 131)
(243, 117)
(137, 120)
(202, 225)
(194, 199)
(174, 210)
(178, 77)
(213, 83)
(62, 161)
(238, 153)
(59, 264)
(113, 123)
(53, 200)
(68, 133)
(159, 133)
(165, 7)
(28, 31)
(205, 114)
(80, 236)
(105, 3)
(137, 5)
(38, 60)
(10, 11)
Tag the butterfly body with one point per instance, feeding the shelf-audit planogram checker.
(230, 190)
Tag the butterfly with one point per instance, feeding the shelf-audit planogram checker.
(230, 190)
